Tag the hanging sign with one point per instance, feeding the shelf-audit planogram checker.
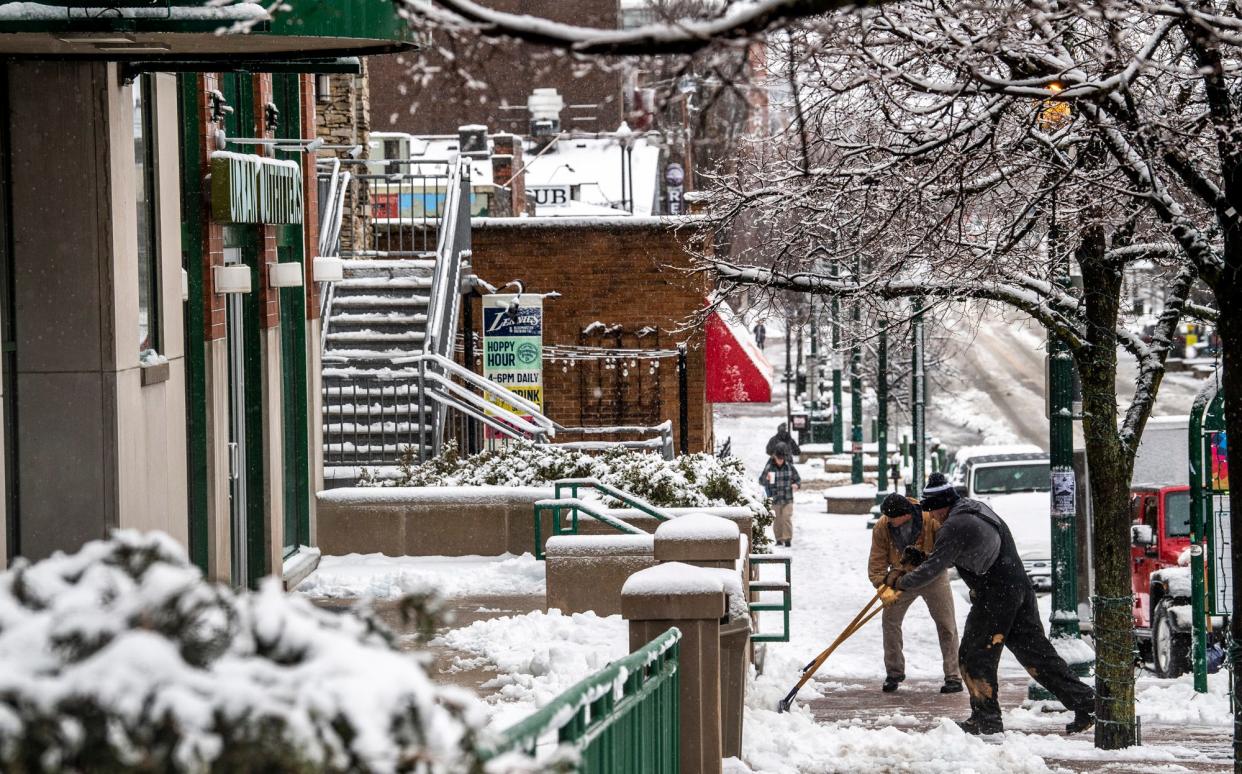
(513, 345)
(246, 188)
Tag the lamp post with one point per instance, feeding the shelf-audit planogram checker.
(1063, 622)
(856, 418)
(918, 397)
(838, 427)
(881, 422)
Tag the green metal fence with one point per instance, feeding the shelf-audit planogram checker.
(620, 720)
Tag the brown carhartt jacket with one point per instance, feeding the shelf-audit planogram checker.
(884, 553)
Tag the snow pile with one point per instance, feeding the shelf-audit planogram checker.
(121, 657)
(794, 742)
(388, 577)
(689, 481)
(537, 656)
(1175, 703)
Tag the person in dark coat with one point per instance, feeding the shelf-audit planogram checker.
(1003, 612)
(783, 437)
(780, 480)
(761, 333)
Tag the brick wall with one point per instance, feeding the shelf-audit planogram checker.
(625, 276)
(407, 98)
(214, 317)
(310, 200)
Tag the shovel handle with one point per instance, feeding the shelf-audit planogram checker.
(864, 615)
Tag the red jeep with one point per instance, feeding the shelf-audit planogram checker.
(1160, 532)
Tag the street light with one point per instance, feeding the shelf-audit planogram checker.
(1063, 622)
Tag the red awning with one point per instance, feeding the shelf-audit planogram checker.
(737, 371)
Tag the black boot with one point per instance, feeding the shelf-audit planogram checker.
(890, 684)
(951, 686)
(980, 727)
(1083, 719)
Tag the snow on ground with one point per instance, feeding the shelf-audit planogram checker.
(536, 656)
(384, 577)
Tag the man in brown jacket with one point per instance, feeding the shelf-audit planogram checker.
(901, 539)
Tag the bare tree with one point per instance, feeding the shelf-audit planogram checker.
(949, 153)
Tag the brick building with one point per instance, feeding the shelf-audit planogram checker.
(626, 274)
(422, 93)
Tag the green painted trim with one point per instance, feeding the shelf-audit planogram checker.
(257, 531)
(294, 375)
(353, 27)
(192, 237)
(376, 20)
(341, 65)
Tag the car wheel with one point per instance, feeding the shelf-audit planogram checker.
(1170, 650)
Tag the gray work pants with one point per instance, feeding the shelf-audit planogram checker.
(939, 599)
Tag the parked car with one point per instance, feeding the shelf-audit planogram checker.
(1016, 485)
(1160, 535)
(957, 469)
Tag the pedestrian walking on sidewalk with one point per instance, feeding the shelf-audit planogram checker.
(783, 437)
(900, 541)
(780, 480)
(1003, 612)
(761, 333)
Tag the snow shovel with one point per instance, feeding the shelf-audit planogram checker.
(810, 669)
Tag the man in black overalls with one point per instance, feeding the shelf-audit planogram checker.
(1003, 612)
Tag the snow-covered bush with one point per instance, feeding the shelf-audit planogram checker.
(688, 481)
(122, 658)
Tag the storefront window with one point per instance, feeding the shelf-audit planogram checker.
(146, 199)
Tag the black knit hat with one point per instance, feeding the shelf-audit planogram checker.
(938, 493)
(896, 505)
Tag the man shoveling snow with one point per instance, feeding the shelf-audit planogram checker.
(1003, 610)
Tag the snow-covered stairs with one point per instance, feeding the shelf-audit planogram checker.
(378, 312)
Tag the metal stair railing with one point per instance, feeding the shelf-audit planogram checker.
(758, 606)
(624, 718)
(633, 501)
(445, 297)
(574, 506)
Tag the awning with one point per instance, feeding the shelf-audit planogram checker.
(737, 372)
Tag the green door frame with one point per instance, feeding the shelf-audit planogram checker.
(290, 241)
(189, 96)
(238, 90)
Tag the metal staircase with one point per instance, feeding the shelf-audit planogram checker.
(377, 314)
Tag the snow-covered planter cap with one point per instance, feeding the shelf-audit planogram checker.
(697, 537)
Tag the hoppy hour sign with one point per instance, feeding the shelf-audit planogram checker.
(513, 344)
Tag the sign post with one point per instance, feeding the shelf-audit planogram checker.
(513, 348)
(1211, 579)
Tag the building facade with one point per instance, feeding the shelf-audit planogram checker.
(159, 365)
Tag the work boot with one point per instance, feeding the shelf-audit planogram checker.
(890, 684)
(951, 685)
(1083, 719)
(978, 727)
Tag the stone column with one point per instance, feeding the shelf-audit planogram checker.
(693, 600)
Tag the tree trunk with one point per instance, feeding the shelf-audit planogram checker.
(1229, 326)
(1111, 464)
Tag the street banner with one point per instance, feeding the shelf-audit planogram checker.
(513, 347)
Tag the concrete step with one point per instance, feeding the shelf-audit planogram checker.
(375, 431)
(342, 320)
(385, 282)
(371, 301)
(365, 336)
(407, 267)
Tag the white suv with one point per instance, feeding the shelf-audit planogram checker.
(1016, 486)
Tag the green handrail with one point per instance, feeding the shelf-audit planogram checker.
(633, 501)
(785, 587)
(623, 718)
(574, 506)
